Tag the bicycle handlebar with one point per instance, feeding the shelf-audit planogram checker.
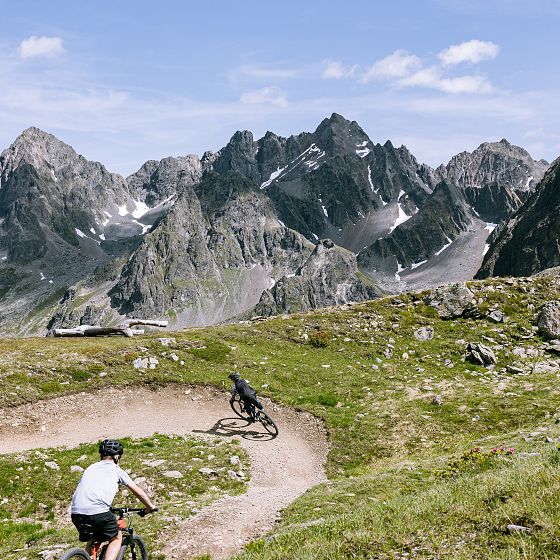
(140, 511)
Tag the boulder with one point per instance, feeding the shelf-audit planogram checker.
(450, 301)
(480, 354)
(424, 333)
(548, 320)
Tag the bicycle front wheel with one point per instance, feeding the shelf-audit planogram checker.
(267, 422)
(75, 554)
(238, 408)
(140, 550)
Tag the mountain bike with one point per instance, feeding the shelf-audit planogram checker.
(133, 546)
(238, 406)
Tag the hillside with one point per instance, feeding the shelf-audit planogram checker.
(416, 433)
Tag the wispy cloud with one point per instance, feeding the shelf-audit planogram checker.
(473, 51)
(396, 65)
(256, 73)
(34, 46)
(432, 78)
(335, 70)
(267, 95)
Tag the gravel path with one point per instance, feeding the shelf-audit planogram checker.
(282, 468)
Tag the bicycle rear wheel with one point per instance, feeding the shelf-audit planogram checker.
(267, 422)
(140, 550)
(75, 554)
(238, 408)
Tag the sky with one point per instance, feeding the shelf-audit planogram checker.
(123, 82)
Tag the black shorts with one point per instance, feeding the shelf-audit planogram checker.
(99, 526)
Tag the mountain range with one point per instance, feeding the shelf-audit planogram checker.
(264, 226)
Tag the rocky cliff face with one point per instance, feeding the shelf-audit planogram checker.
(496, 177)
(438, 222)
(529, 241)
(328, 277)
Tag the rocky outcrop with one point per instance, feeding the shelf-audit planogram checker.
(210, 257)
(328, 277)
(157, 181)
(529, 241)
(450, 301)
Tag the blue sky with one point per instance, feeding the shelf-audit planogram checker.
(127, 81)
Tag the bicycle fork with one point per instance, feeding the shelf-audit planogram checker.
(128, 540)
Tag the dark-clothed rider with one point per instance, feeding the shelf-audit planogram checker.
(246, 392)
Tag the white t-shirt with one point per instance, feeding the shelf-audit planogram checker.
(97, 488)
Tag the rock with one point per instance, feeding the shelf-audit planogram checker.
(234, 460)
(512, 528)
(52, 465)
(514, 369)
(172, 474)
(450, 301)
(140, 363)
(496, 316)
(207, 470)
(153, 462)
(545, 367)
(76, 468)
(437, 400)
(480, 354)
(424, 333)
(552, 346)
(166, 341)
(548, 320)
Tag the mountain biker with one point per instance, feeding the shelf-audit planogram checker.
(246, 392)
(94, 495)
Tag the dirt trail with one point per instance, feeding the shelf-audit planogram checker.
(282, 468)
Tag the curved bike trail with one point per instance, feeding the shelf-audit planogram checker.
(282, 468)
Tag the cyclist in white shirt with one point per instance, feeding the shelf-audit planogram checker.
(94, 496)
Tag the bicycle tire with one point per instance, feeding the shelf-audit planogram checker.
(140, 550)
(267, 422)
(238, 408)
(75, 553)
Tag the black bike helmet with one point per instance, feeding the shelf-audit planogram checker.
(234, 375)
(110, 447)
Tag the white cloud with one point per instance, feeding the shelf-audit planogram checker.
(426, 77)
(470, 51)
(396, 65)
(466, 84)
(335, 70)
(432, 78)
(40, 46)
(269, 95)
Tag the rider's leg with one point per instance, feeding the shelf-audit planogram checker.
(112, 550)
(258, 404)
(249, 407)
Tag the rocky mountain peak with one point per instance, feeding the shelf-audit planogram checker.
(39, 149)
(338, 135)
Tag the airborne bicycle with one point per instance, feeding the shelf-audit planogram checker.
(133, 546)
(261, 416)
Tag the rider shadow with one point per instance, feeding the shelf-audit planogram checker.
(229, 427)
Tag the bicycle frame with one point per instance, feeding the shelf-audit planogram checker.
(128, 535)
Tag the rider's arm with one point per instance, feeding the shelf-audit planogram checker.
(141, 495)
(233, 391)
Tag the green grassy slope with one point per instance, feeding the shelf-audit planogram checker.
(400, 414)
